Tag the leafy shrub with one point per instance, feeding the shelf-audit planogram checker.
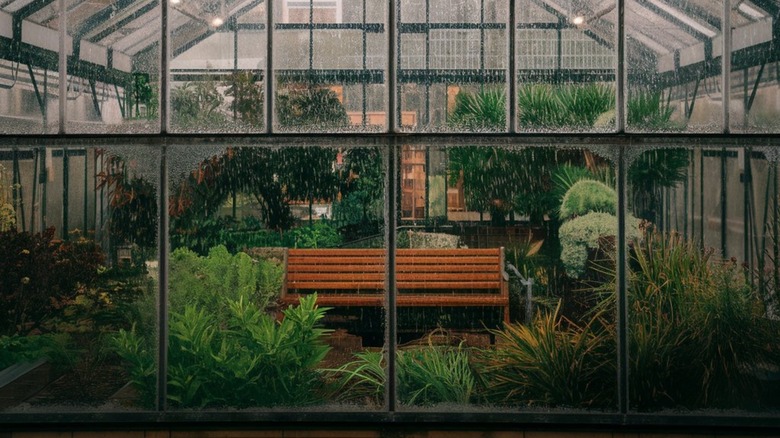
(17, 348)
(583, 233)
(207, 282)
(481, 111)
(586, 196)
(318, 235)
(39, 276)
(552, 362)
(578, 106)
(426, 376)
(247, 359)
(696, 329)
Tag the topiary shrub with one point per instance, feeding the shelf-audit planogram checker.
(582, 234)
(586, 196)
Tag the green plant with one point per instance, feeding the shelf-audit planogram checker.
(484, 110)
(196, 106)
(247, 95)
(583, 233)
(361, 380)
(7, 212)
(551, 362)
(543, 107)
(649, 173)
(432, 375)
(696, 328)
(247, 359)
(318, 235)
(17, 348)
(647, 111)
(307, 106)
(586, 196)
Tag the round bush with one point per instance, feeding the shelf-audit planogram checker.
(586, 196)
(583, 233)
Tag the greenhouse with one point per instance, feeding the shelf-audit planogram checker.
(496, 211)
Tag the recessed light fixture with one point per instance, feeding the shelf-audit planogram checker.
(175, 2)
(216, 22)
(578, 20)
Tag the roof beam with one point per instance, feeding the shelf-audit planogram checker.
(24, 12)
(678, 18)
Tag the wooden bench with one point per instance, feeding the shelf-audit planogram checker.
(424, 277)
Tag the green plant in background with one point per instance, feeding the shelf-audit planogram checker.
(247, 95)
(248, 359)
(651, 172)
(206, 282)
(588, 196)
(361, 380)
(543, 107)
(648, 111)
(484, 110)
(308, 106)
(551, 362)
(318, 235)
(583, 233)
(196, 106)
(7, 212)
(53, 347)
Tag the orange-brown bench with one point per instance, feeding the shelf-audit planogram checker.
(424, 277)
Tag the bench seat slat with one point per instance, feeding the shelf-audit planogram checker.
(404, 300)
(320, 260)
(495, 269)
(335, 276)
(337, 285)
(336, 268)
(448, 276)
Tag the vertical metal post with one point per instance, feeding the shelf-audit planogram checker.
(723, 203)
(65, 194)
(364, 85)
(512, 66)
(86, 193)
(63, 66)
(622, 293)
(162, 231)
(391, 212)
(269, 36)
(726, 64)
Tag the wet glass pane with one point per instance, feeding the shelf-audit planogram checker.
(452, 66)
(78, 278)
(505, 275)
(673, 59)
(217, 66)
(116, 60)
(703, 321)
(753, 100)
(276, 279)
(330, 66)
(565, 54)
(29, 85)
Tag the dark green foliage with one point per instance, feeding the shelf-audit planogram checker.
(696, 330)
(17, 348)
(247, 359)
(196, 106)
(426, 376)
(588, 196)
(39, 276)
(318, 235)
(543, 107)
(484, 110)
(652, 171)
(647, 111)
(247, 100)
(309, 107)
(552, 362)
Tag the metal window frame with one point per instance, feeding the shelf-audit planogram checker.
(619, 145)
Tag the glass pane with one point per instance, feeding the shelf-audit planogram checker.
(255, 241)
(753, 100)
(78, 278)
(703, 321)
(116, 58)
(565, 56)
(673, 66)
(506, 278)
(452, 65)
(330, 65)
(218, 61)
(29, 85)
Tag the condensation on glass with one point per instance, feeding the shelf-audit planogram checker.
(505, 277)
(674, 55)
(565, 61)
(217, 66)
(330, 66)
(113, 81)
(258, 237)
(78, 228)
(452, 66)
(703, 280)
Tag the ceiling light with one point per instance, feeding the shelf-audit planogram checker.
(216, 22)
(578, 20)
(175, 2)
